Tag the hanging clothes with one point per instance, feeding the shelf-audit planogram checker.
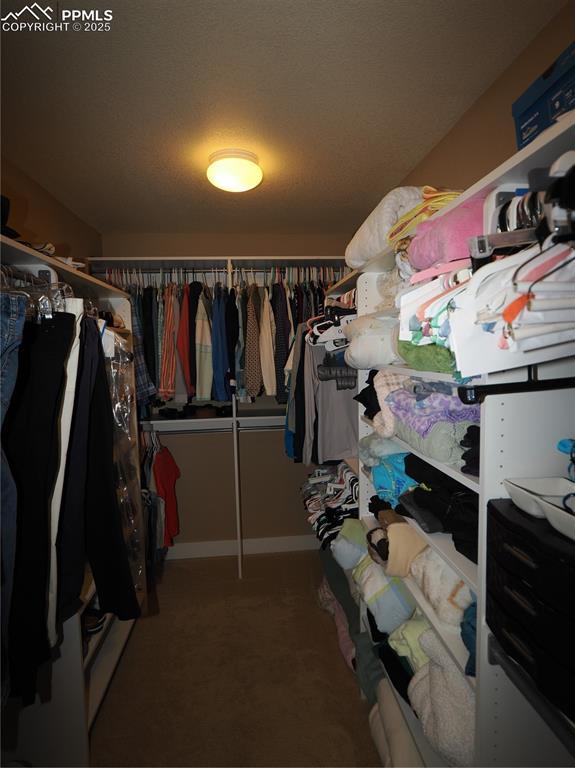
(221, 386)
(75, 307)
(267, 340)
(180, 389)
(232, 333)
(237, 343)
(194, 297)
(254, 379)
(12, 315)
(166, 472)
(240, 350)
(204, 367)
(70, 543)
(149, 309)
(30, 439)
(159, 336)
(183, 340)
(167, 388)
(282, 328)
(145, 389)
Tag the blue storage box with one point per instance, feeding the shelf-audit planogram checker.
(550, 96)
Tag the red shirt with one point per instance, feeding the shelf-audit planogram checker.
(166, 472)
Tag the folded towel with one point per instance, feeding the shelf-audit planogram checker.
(433, 200)
(444, 238)
(374, 344)
(372, 448)
(442, 443)
(371, 238)
(405, 641)
(329, 602)
(385, 383)
(447, 593)
(387, 598)
(389, 478)
(444, 703)
(350, 545)
(405, 544)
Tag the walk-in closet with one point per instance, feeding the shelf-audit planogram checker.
(288, 383)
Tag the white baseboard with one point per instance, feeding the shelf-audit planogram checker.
(191, 549)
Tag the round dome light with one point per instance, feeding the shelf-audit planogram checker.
(234, 170)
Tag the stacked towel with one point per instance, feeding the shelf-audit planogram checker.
(385, 383)
(371, 238)
(405, 641)
(445, 238)
(405, 546)
(444, 703)
(446, 592)
(387, 598)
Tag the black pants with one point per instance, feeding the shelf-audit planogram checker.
(31, 444)
(90, 522)
(70, 542)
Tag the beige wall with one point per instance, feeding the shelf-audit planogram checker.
(118, 244)
(39, 217)
(484, 137)
(271, 504)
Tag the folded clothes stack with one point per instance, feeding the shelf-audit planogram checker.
(430, 417)
(330, 497)
(440, 503)
(470, 456)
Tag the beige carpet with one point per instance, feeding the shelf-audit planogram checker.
(235, 673)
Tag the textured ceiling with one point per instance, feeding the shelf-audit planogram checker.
(339, 98)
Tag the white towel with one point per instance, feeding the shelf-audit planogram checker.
(446, 592)
(444, 703)
(371, 238)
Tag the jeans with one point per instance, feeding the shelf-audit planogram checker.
(12, 316)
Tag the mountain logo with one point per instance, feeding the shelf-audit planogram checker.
(35, 10)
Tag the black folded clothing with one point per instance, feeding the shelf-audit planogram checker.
(409, 507)
(471, 459)
(471, 437)
(376, 635)
(424, 473)
(397, 668)
(375, 504)
(462, 520)
(368, 397)
(450, 502)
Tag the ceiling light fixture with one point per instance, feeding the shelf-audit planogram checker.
(234, 170)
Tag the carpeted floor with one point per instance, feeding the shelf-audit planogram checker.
(235, 673)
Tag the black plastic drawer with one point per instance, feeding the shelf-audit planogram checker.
(553, 678)
(552, 630)
(532, 550)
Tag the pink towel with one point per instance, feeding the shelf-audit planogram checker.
(444, 238)
(329, 603)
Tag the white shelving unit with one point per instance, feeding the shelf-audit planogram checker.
(56, 732)
(519, 433)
